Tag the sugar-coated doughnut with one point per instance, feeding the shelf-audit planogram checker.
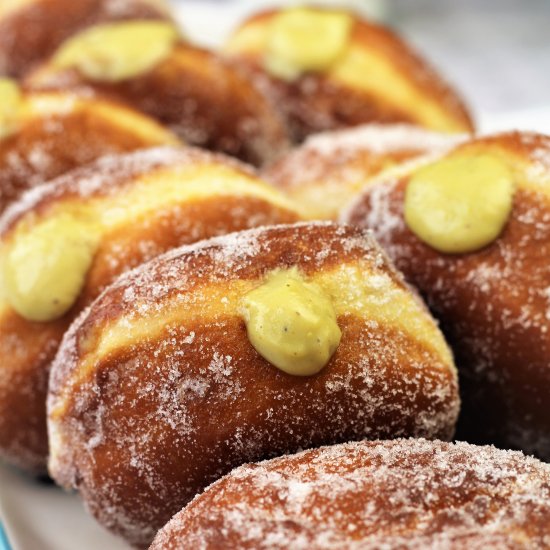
(472, 232)
(202, 97)
(329, 69)
(31, 30)
(330, 168)
(45, 134)
(64, 242)
(157, 390)
(405, 494)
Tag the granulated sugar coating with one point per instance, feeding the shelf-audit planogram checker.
(136, 207)
(201, 96)
(156, 390)
(494, 303)
(330, 168)
(308, 162)
(111, 173)
(377, 78)
(386, 495)
(31, 30)
(38, 151)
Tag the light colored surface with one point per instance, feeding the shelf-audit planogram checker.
(496, 52)
(41, 517)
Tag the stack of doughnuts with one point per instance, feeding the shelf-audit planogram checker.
(178, 327)
(199, 95)
(64, 242)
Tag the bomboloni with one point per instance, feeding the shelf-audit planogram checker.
(183, 369)
(64, 242)
(471, 230)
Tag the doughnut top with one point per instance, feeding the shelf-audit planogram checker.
(177, 277)
(328, 151)
(526, 154)
(30, 30)
(114, 51)
(204, 98)
(34, 149)
(112, 175)
(502, 290)
(407, 493)
(330, 168)
(377, 64)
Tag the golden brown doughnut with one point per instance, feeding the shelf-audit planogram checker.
(83, 230)
(407, 494)
(56, 132)
(157, 391)
(494, 302)
(203, 98)
(376, 78)
(31, 30)
(330, 168)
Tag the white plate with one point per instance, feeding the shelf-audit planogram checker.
(40, 516)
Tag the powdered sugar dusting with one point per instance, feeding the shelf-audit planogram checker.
(406, 494)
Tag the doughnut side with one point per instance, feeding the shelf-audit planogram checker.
(493, 303)
(31, 30)
(156, 390)
(330, 168)
(145, 203)
(203, 98)
(380, 79)
(38, 152)
(410, 494)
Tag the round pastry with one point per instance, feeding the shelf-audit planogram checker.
(235, 349)
(472, 232)
(357, 72)
(43, 135)
(404, 494)
(200, 96)
(31, 30)
(330, 168)
(66, 241)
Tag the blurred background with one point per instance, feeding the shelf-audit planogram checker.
(497, 52)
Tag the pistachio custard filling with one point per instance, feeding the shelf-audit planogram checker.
(44, 270)
(460, 204)
(292, 323)
(44, 262)
(118, 51)
(302, 40)
(11, 106)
